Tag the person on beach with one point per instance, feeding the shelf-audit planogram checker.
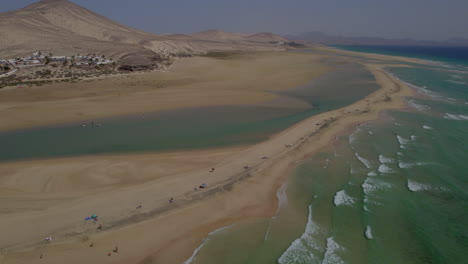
(171, 200)
(99, 227)
(116, 249)
(92, 244)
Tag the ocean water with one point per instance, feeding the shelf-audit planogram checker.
(394, 191)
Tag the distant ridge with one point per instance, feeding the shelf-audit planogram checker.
(223, 36)
(322, 38)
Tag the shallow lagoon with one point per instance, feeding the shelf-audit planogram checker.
(202, 127)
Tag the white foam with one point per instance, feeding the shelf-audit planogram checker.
(195, 252)
(455, 117)
(370, 132)
(403, 141)
(427, 127)
(457, 76)
(384, 169)
(299, 251)
(331, 253)
(282, 196)
(418, 187)
(419, 107)
(372, 174)
(456, 82)
(366, 209)
(373, 184)
(413, 137)
(369, 232)
(353, 136)
(364, 161)
(384, 159)
(342, 198)
(407, 165)
(399, 153)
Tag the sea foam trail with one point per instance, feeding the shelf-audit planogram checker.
(331, 253)
(455, 117)
(353, 136)
(342, 198)
(427, 127)
(419, 107)
(368, 232)
(418, 187)
(371, 186)
(402, 140)
(300, 250)
(384, 159)
(282, 196)
(195, 252)
(456, 82)
(407, 165)
(384, 169)
(364, 161)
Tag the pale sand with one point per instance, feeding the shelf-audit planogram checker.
(200, 81)
(170, 236)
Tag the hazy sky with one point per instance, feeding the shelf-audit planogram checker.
(418, 19)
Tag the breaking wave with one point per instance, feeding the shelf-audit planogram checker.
(419, 107)
(300, 249)
(368, 232)
(364, 161)
(342, 198)
(331, 256)
(373, 184)
(384, 169)
(418, 187)
(456, 82)
(455, 117)
(427, 127)
(195, 252)
(384, 159)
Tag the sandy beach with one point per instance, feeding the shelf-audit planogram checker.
(64, 191)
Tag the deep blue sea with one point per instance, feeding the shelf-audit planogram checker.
(394, 191)
(456, 56)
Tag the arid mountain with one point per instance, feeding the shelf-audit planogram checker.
(62, 27)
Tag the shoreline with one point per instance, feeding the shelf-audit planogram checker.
(227, 82)
(235, 202)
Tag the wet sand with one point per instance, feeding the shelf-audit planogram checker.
(170, 232)
(245, 78)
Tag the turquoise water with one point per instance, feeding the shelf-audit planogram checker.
(394, 191)
(202, 127)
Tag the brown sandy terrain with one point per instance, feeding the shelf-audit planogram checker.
(170, 236)
(200, 81)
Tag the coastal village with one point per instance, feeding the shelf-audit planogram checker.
(39, 58)
(42, 67)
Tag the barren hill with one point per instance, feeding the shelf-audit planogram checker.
(246, 38)
(62, 27)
